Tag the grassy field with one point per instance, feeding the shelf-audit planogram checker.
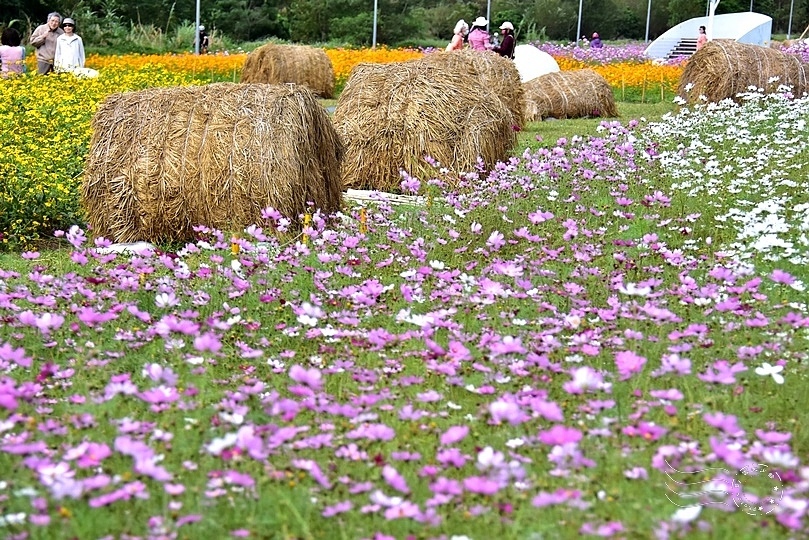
(540, 353)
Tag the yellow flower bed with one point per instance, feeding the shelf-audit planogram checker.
(630, 75)
(44, 138)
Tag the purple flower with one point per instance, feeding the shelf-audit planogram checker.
(628, 363)
(559, 435)
(394, 479)
(454, 434)
(308, 377)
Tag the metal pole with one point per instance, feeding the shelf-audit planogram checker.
(488, 14)
(648, 18)
(578, 26)
(196, 29)
(376, 8)
(789, 27)
(751, 6)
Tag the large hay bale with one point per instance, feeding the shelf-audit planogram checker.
(724, 68)
(569, 94)
(391, 116)
(533, 63)
(164, 160)
(298, 64)
(487, 68)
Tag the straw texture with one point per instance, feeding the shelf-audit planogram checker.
(299, 64)
(391, 116)
(569, 94)
(164, 160)
(724, 68)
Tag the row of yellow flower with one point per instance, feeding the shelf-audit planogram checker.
(630, 74)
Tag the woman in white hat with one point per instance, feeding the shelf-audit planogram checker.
(506, 47)
(478, 36)
(69, 49)
(461, 29)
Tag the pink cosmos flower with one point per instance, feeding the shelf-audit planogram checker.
(629, 363)
(309, 377)
(559, 435)
(394, 479)
(454, 434)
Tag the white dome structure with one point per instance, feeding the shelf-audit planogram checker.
(532, 63)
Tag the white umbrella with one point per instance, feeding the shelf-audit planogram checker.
(532, 63)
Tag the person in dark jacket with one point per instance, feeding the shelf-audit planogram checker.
(506, 47)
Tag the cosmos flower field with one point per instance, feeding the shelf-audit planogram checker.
(536, 352)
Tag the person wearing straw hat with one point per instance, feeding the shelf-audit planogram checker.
(69, 49)
(478, 36)
(43, 38)
(461, 29)
(506, 47)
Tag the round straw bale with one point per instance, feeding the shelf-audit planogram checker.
(724, 68)
(487, 68)
(299, 64)
(392, 116)
(164, 160)
(569, 94)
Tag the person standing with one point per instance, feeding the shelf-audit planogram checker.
(69, 54)
(44, 39)
(506, 47)
(478, 36)
(461, 29)
(204, 40)
(702, 38)
(12, 54)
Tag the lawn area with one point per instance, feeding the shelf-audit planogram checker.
(604, 336)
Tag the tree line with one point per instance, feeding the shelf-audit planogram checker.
(400, 22)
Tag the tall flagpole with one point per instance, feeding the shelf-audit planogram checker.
(578, 27)
(196, 29)
(376, 8)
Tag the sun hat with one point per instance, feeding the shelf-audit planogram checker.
(202, 27)
(68, 20)
(480, 21)
(461, 26)
(506, 26)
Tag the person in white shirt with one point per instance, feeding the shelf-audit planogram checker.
(69, 48)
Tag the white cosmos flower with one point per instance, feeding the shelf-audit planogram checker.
(687, 514)
(774, 371)
(631, 289)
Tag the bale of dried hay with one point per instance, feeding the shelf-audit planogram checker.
(391, 116)
(724, 68)
(569, 94)
(298, 64)
(164, 160)
(487, 68)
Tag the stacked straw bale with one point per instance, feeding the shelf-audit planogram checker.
(724, 68)
(488, 68)
(164, 160)
(298, 64)
(569, 94)
(391, 116)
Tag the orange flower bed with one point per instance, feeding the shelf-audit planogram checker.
(637, 75)
(344, 60)
(230, 66)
